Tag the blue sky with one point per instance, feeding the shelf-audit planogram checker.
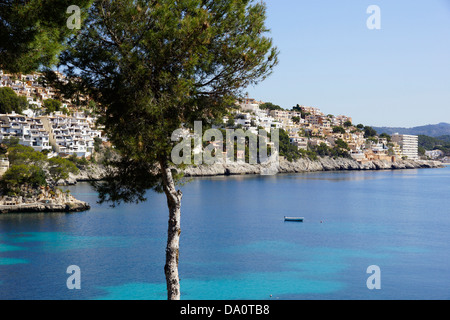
(396, 76)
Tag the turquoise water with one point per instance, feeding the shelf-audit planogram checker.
(235, 244)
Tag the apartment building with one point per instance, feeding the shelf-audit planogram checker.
(71, 135)
(249, 104)
(340, 120)
(311, 110)
(299, 142)
(29, 131)
(409, 145)
(281, 115)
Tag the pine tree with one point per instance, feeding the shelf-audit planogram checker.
(153, 66)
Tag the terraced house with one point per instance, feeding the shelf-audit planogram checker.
(71, 135)
(63, 134)
(30, 131)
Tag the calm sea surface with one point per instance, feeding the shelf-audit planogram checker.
(235, 244)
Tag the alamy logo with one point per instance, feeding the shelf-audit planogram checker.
(74, 21)
(240, 146)
(374, 281)
(374, 20)
(74, 280)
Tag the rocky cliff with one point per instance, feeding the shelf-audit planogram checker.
(94, 172)
(305, 165)
(42, 200)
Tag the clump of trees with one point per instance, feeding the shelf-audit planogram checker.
(31, 169)
(10, 101)
(270, 106)
(369, 132)
(52, 105)
(439, 143)
(340, 150)
(292, 153)
(288, 150)
(338, 129)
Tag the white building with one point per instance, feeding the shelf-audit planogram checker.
(409, 145)
(71, 135)
(299, 142)
(434, 154)
(30, 131)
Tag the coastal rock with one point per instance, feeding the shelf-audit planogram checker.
(305, 165)
(77, 206)
(92, 172)
(43, 200)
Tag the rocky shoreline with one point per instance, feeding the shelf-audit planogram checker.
(306, 165)
(44, 200)
(95, 172)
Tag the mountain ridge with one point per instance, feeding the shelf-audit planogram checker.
(432, 130)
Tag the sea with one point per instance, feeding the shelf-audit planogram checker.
(366, 235)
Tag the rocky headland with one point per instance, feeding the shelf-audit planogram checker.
(95, 172)
(43, 199)
(306, 165)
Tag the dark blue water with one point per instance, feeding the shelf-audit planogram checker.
(235, 244)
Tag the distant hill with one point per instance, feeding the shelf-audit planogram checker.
(441, 130)
(445, 138)
(430, 143)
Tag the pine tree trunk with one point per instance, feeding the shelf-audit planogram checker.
(173, 234)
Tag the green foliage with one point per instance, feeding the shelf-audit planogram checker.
(338, 129)
(297, 108)
(288, 150)
(296, 119)
(386, 136)
(32, 168)
(347, 123)
(292, 153)
(444, 138)
(59, 168)
(25, 168)
(230, 123)
(65, 111)
(373, 139)
(19, 175)
(153, 66)
(270, 106)
(78, 162)
(337, 152)
(421, 151)
(323, 150)
(303, 114)
(10, 142)
(33, 32)
(97, 144)
(52, 105)
(342, 144)
(19, 154)
(310, 154)
(10, 101)
(431, 143)
(369, 132)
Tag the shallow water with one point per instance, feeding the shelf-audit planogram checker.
(236, 245)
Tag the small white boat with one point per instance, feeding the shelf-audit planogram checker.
(297, 219)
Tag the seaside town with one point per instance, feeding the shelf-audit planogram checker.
(309, 127)
(224, 150)
(66, 131)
